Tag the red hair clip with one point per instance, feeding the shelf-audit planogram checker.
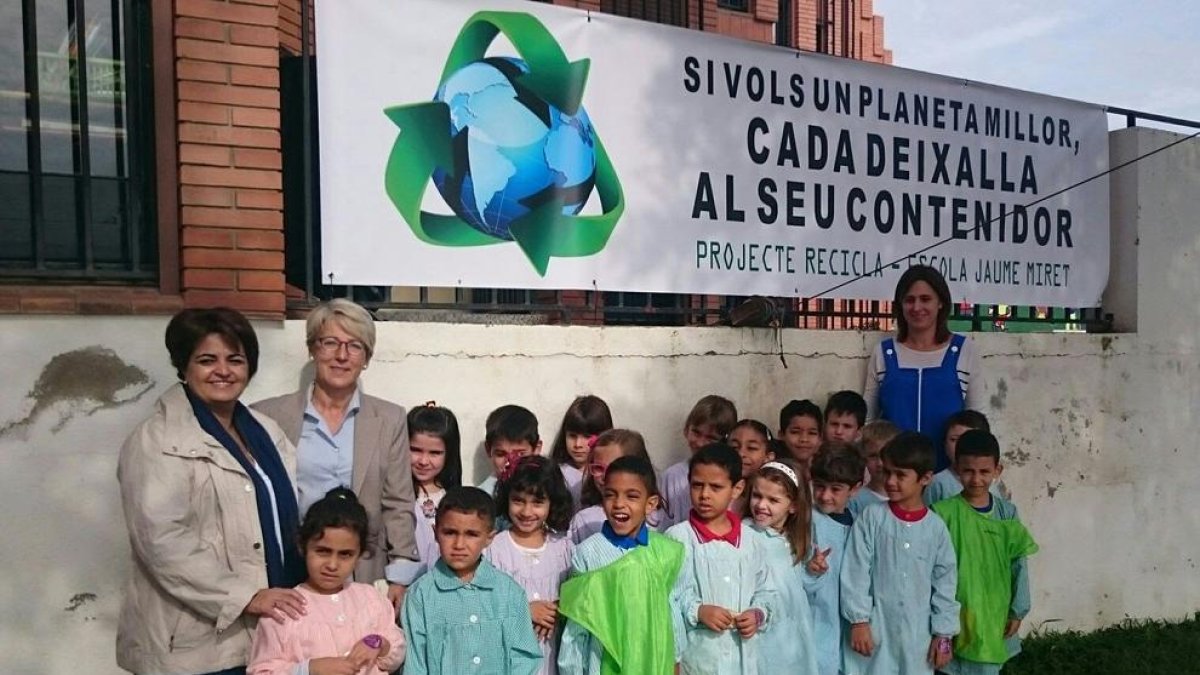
(591, 441)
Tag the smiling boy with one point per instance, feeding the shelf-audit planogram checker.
(836, 478)
(724, 595)
(991, 545)
(900, 575)
(465, 615)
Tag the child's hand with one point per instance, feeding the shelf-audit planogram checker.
(747, 623)
(716, 619)
(939, 652)
(860, 639)
(361, 656)
(334, 665)
(1012, 627)
(544, 613)
(817, 565)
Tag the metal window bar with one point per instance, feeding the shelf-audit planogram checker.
(133, 133)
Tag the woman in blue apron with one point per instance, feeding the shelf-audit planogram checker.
(922, 376)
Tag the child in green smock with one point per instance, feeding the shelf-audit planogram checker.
(990, 550)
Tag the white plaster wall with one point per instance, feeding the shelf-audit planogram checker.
(1098, 430)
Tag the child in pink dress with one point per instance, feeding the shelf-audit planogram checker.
(535, 550)
(346, 627)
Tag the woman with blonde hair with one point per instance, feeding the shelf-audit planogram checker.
(346, 438)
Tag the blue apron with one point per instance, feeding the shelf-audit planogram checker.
(938, 395)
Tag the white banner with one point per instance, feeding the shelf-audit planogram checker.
(517, 144)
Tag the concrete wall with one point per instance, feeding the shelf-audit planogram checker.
(1098, 430)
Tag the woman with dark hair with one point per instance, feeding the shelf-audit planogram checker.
(922, 376)
(207, 487)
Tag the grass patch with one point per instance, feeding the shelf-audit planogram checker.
(1132, 646)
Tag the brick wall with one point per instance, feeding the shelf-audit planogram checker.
(230, 165)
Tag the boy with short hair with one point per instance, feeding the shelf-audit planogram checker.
(945, 483)
(900, 574)
(800, 428)
(465, 615)
(511, 432)
(710, 421)
(836, 476)
(875, 435)
(724, 595)
(617, 602)
(991, 545)
(845, 414)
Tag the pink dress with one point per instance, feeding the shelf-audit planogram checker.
(540, 572)
(332, 626)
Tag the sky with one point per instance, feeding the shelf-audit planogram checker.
(1139, 54)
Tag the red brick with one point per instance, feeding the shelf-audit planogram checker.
(210, 279)
(211, 155)
(97, 306)
(192, 111)
(262, 240)
(259, 199)
(253, 280)
(202, 50)
(239, 137)
(232, 259)
(201, 71)
(208, 92)
(269, 3)
(202, 29)
(211, 175)
(39, 304)
(231, 13)
(254, 76)
(192, 195)
(207, 238)
(256, 117)
(259, 36)
(156, 303)
(251, 302)
(10, 304)
(254, 219)
(253, 158)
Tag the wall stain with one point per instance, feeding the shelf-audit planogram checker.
(88, 380)
(1001, 396)
(1051, 489)
(1017, 457)
(79, 600)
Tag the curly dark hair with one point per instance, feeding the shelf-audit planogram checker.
(540, 478)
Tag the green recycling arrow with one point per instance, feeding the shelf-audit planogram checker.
(424, 145)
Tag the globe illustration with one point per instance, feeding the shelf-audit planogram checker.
(513, 152)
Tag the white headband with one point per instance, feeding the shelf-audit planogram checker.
(785, 470)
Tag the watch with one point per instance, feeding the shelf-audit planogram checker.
(373, 641)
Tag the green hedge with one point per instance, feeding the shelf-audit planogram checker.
(1128, 648)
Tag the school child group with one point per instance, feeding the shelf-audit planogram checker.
(830, 547)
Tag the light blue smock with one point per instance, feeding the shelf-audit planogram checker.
(901, 578)
(736, 578)
(864, 498)
(824, 594)
(788, 647)
(945, 484)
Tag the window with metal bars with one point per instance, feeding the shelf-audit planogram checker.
(76, 162)
(739, 5)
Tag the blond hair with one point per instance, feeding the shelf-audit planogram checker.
(350, 317)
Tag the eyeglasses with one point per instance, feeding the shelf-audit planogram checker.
(331, 345)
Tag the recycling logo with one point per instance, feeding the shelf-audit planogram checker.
(508, 146)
